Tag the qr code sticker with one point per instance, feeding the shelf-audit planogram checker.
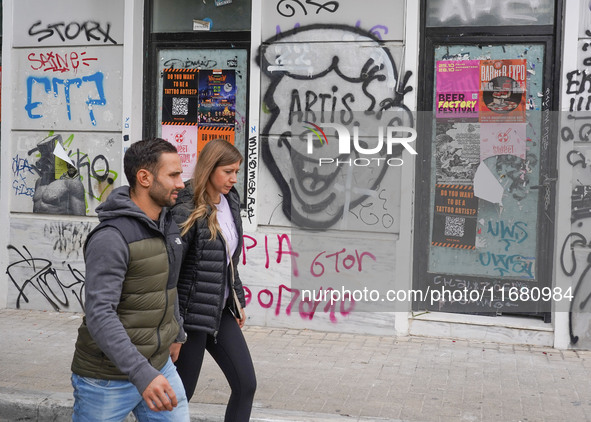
(454, 226)
(180, 106)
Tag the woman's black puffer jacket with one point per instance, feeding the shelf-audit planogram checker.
(204, 271)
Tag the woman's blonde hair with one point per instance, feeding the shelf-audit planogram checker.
(215, 153)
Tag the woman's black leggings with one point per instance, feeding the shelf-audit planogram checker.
(231, 353)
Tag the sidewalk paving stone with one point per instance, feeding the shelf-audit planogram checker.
(310, 376)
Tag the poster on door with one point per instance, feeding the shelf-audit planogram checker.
(180, 96)
(502, 139)
(454, 219)
(457, 89)
(184, 138)
(457, 151)
(217, 106)
(502, 91)
(480, 113)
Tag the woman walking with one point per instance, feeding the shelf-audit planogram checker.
(211, 297)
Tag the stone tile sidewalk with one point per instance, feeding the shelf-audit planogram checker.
(306, 375)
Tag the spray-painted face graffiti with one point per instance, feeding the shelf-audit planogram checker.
(64, 195)
(317, 95)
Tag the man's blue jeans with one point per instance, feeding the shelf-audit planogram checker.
(107, 400)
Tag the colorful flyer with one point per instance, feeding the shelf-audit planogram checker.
(502, 139)
(217, 106)
(184, 138)
(455, 216)
(180, 96)
(457, 89)
(502, 90)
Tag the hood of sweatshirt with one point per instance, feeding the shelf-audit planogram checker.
(119, 204)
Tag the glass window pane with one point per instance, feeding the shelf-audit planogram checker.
(202, 95)
(487, 136)
(489, 12)
(234, 16)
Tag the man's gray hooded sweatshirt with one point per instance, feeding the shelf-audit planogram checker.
(132, 267)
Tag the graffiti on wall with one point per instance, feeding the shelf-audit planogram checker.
(204, 62)
(575, 255)
(489, 12)
(65, 78)
(53, 86)
(324, 84)
(35, 278)
(67, 107)
(80, 31)
(64, 151)
(46, 263)
(51, 61)
(53, 195)
(40, 281)
(67, 238)
(289, 8)
(286, 300)
(290, 14)
(68, 176)
(252, 160)
(68, 23)
(578, 81)
(75, 88)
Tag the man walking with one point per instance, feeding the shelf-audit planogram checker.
(132, 330)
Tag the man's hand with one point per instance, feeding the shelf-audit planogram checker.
(175, 349)
(159, 395)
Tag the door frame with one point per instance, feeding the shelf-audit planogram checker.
(550, 36)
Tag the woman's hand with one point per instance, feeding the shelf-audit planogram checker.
(242, 319)
(175, 349)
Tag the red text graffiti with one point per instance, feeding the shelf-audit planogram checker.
(340, 260)
(306, 307)
(346, 261)
(56, 62)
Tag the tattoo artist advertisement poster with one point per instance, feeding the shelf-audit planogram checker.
(184, 138)
(180, 96)
(454, 220)
(502, 90)
(457, 151)
(217, 106)
(457, 89)
(502, 139)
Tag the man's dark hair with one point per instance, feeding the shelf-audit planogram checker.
(144, 154)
